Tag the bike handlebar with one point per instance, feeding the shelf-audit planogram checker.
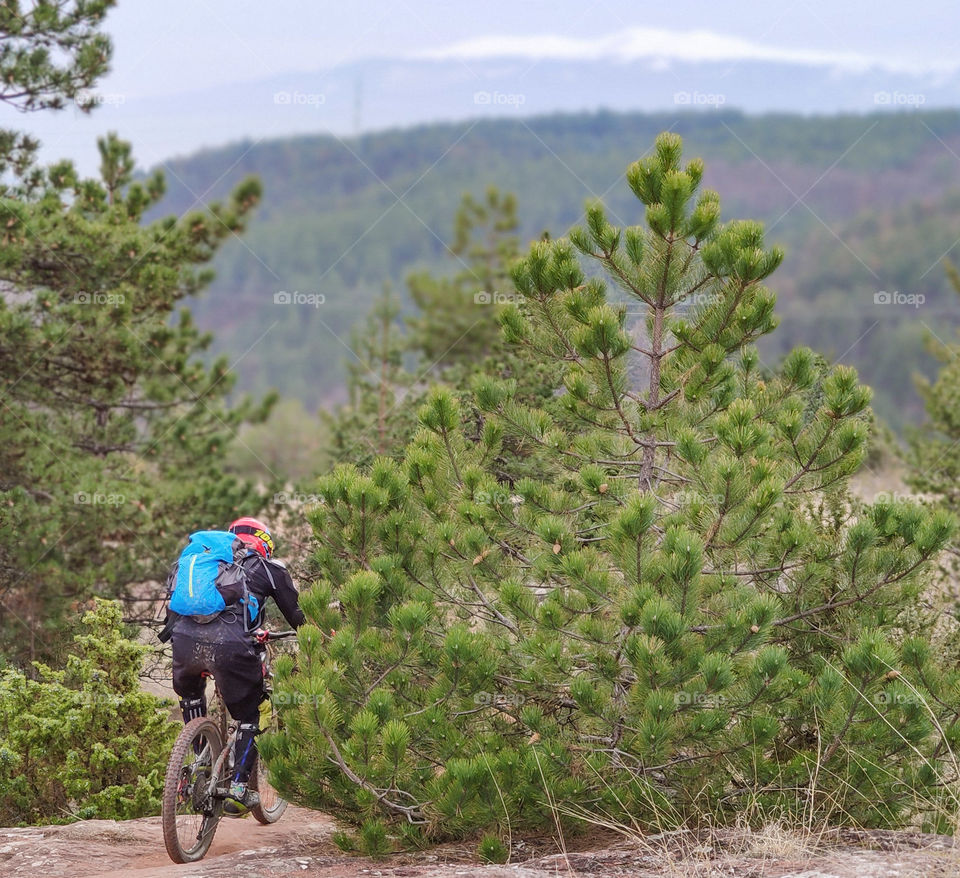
(281, 635)
(263, 636)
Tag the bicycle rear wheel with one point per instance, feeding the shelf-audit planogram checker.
(271, 805)
(190, 813)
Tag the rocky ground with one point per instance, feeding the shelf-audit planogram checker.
(300, 845)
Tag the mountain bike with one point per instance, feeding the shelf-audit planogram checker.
(201, 767)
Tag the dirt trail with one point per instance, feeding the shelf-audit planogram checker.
(135, 847)
(300, 845)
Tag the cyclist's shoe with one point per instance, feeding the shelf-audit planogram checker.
(240, 800)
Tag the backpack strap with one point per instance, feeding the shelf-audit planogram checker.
(247, 624)
(247, 621)
(266, 566)
(165, 633)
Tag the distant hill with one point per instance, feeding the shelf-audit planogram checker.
(631, 70)
(866, 205)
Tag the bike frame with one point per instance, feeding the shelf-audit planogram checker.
(228, 726)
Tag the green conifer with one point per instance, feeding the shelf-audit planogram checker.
(677, 613)
(113, 431)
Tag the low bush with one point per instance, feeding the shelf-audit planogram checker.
(83, 741)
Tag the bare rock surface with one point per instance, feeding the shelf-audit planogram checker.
(300, 845)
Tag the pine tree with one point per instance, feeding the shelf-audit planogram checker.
(457, 319)
(679, 614)
(934, 448)
(378, 419)
(454, 335)
(112, 431)
(50, 53)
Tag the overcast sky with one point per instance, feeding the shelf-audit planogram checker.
(178, 45)
(175, 61)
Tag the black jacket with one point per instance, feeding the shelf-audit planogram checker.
(269, 579)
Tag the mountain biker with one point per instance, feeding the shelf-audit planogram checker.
(223, 647)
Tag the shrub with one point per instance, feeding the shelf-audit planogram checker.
(83, 741)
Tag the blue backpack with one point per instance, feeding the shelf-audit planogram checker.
(209, 579)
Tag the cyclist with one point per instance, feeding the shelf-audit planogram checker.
(223, 647)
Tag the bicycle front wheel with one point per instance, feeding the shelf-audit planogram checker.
(190, 812)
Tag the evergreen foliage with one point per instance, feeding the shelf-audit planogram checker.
(675, 611)
(379, 417)
(113, 432)
(83, 741)
(456, 319)
(453, 335)
(50, 53)
(934, 447)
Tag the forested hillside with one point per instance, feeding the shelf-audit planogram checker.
(864, 205)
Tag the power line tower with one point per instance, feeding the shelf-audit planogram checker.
(357, 106)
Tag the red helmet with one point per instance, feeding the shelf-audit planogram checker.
(255, 534)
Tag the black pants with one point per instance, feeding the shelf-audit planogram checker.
(223, 650)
